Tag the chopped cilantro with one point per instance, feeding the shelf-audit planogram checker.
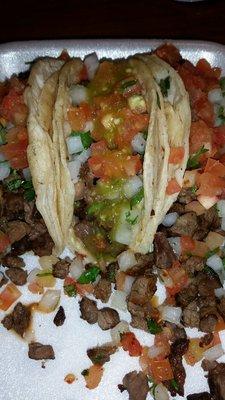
(158, 100)
(212, 252)
(89, 275)
(127, 84)
(165, 86)
(136, 199)
(85, 137)
(194, 189)
(152, 389)
(129, 219)
(193, 161)
(153, 326)
(145, 134)
(70, 290)
(2, 134)
(29, 195)
(98, 358)
(95, 208)
(221, 115)
(16, 182)
(174, 384)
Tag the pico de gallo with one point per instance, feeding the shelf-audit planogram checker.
(109, 121)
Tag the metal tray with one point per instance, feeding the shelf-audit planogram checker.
(24, 379)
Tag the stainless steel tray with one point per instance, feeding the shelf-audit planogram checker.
(24, 379)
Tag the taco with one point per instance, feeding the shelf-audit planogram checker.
(40, 97)
(113, 143)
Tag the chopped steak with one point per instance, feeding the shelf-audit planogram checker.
(3, 279)
(101, 355)
(136, 383)
(20, 247)
(207, 284)
(186, 224)
(186, 195)
(145, 262)
(17, 230)
(200, 396)
(43, 245)
(177, 332)
(163, 252)
(108, 318)
(38, 351)
(187, 295)
(19, 319)
(178, 208)
(10, 261)
(216, 379)
(14, 205)
(194, 264)
(207, 314)
(143, 288)
(37, 229)
(89, 311)
(61, 269)
(140, 314)
(139, 322)
(103, 290)
(178, 348)
(60, 317)
(110, 273)
(221, 307)
(17, 276)
(191, 315)
(206, 340)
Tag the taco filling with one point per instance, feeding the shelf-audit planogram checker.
(109, 127)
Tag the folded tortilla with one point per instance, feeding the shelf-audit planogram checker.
(169, 126)
(40, 96)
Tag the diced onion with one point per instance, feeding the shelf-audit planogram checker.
(214, 262)
(139, 143)
(175, 244)
(49, 301)
(120, 328)
(207, 201)
(75, 164)
(46, 262)
(215, 95)
(220, 292)
(76, 268)
(132, 186)
(4, 170)
(78, 94)
(91, 62)
(89, 126)
(189, 178)
(118, 300)
(126, 260)
(171, 314)
(170, 219)
(123, 234)
(2, 157)
(214, 352)
(128, 283)
(221, 208)
(74, 144)
(84, 156)
(27, 174)
(33, 275)
(161, 393)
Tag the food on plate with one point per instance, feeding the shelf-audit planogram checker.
(127, 169)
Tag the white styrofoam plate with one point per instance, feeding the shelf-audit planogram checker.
(25, 379)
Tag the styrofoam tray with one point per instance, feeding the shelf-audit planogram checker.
(24, 379)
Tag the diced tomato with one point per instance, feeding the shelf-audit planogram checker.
(215, 167)
(4, 241)
(204, 68)
(83, 73)
(131, 124)
(210, 184)
(176, 155)
(219, 136)
(35, 287)
(114, 164)
(83, 289)
(160, 370)
(11, 104)
(144, 360)
(162, 341)
(131, 344)
(64, 56)
(222, 159)
(16, 148)
(200, 135)
(179, 278)
(8, 296)
(169, 53)
(172, 187)
(220, 325)
(98, 147)
(204, 110)
(78, 116)
(93, 376)
(216, 337)
(187, 244)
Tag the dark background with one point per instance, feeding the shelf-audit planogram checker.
(58, 19)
